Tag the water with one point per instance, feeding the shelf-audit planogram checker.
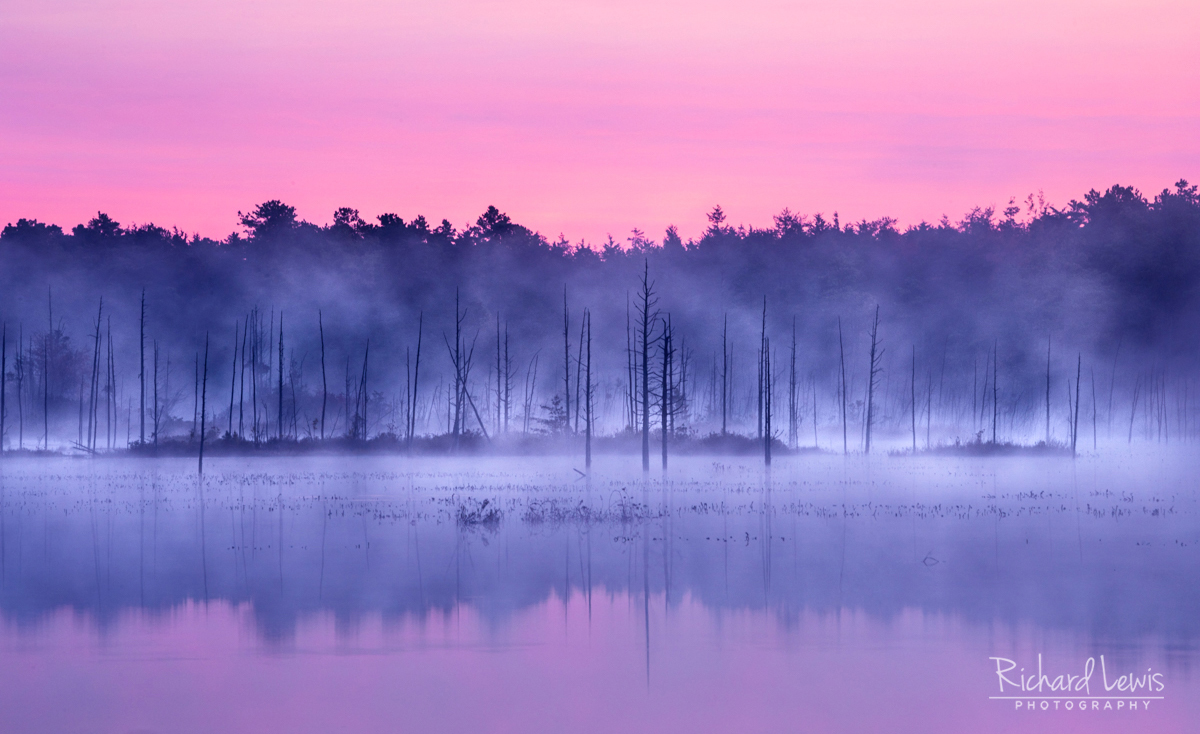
(388, 594)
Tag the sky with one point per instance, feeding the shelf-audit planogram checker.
(587, 118)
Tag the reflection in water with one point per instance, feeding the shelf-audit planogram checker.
(770, 594)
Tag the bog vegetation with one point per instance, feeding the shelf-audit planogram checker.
(1059, 327)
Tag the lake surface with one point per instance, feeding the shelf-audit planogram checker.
(393, 594)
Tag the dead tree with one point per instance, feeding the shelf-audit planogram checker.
(873, 378)
(981, 419)
(242, 382)
(725, 376)
(233, 378)
(995, 387)
(1092, 372)
(94, 387)
(928, 408)
(793, 402)
(631, 368)
(3, 381)
(142, 371)
(1112, 384)
(762, 341)
(46, 373)
(279, 413)
(665, 387)
(363, 391)
(842, 352)
(587, 394)
(196, 394)
(1048, 390)
(913, 409)
(110, 402)
(324, 379)
(204, 401)
(155, 414)
(974, 393)
(295, 370)
(457, 359)
(578, 374)
(508, 379)
(19, 366)
(267, 367)
(255, 356)
(816, 440)
(766, 398)
(680, 400)
(1075, 418)
(469, 400)
(499, 383)
(566, 358)
(412, 415)
(530, 392)
(648, 317)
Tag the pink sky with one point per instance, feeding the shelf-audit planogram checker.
(587, 118)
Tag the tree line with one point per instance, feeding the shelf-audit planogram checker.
(717, 328)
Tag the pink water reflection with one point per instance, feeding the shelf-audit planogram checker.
(552, 667)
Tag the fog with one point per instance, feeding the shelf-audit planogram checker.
(1033, 324)
(1093, 549)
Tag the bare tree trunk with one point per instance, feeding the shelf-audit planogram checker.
(914, 399)
(3, 381)
(507, 380)
(324, 379)
(204, 400)
(458, 386)
(1112, 384)
(154, 415)
(242, 383)
(762, 340)
(270, 360)
(233, 378)
(1075, 419)
(648, 317)
(578, 375)
(1094, 431)
(1047, 390)
(255, 356)
(664, 402)
(766, 398)
(412, 421)
(363, 390)
(842, 352)
(974, 393)
(816, 440)
(292, 389)
(928, 408)
(631, 368)
(995, 387)
(110, 408)
(142, 371)
(566, 360)
(196, 395)
(279, 413)
(21, 360)
(46, 374)
(587, 428)
(499, 386)
(872, 379)
(793, 408)
(725, 376)
(94, 392)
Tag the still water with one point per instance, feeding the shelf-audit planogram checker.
(392, 594)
